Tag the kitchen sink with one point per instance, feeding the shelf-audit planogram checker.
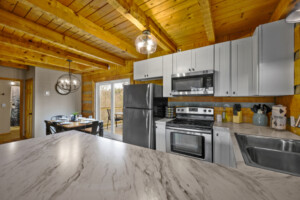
(275, 154)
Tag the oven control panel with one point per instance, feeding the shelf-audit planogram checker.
(195, 110)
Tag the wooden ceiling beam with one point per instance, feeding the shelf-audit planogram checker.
(31, 63)
(207, 20)
(64, 14)
(136, 16)
(283, 8)
(13, 65)
(28, 27)
(47, 50)
(8, 50)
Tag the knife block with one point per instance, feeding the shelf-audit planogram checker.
(238, 118)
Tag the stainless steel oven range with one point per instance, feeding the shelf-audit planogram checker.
(190, 134)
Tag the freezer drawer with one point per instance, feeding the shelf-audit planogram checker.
(138, 127)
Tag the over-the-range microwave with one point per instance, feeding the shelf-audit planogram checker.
(193, 83)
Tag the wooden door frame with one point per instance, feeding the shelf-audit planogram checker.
(21, 101)
(30, 79)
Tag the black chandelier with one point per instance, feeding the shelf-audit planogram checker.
(67, 83)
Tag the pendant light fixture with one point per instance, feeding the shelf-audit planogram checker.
(68, 83)
(146, 43)
(294, 16)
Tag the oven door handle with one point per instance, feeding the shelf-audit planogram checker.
(190, 131)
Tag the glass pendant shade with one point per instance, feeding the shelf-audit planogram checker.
(68, 83)
(146, 43)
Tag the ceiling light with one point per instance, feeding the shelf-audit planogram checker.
(12, 83)
(68, 83)
(146, 43)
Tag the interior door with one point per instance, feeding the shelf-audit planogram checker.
(28, 107)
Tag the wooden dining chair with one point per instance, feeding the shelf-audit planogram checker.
(50, 129)
(94, 129)
(57, 127)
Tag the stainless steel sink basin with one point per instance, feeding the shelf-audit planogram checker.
(275, 154)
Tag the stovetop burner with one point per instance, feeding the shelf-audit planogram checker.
(191, 123)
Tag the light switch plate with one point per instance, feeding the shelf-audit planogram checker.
(293, 121)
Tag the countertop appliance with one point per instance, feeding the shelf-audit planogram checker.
(193, 83)
(190, 134)
(143, 104)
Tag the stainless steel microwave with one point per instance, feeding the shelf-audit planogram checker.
(193, 84)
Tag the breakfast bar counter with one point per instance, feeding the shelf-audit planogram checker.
(74, 165)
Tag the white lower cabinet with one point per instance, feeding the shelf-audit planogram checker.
(160, 136)
(222, 147)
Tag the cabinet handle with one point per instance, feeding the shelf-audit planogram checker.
(189, 69)
(170, 93)
(147, 75)
(233, 92)
(193, 69)
(227, 92)
(217, 134)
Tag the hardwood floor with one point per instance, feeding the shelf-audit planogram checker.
(14, 135)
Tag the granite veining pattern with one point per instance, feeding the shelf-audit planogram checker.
(74, 165)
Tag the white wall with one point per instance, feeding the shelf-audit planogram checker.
(5, 111)
(47, 106)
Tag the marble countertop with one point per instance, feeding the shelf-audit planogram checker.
(74, 165)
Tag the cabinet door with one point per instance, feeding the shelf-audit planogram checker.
(241, 67)
(276, 59)
(204, 58)
(160, 137)
(221, 147)
(255, 62)
(140, 69)
(222, 69)
(182, 62)
(155, 67)
(167, 75)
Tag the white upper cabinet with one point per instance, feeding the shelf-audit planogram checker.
(167, 75)
(140, 69)
(148, 69)
(241, 67)
(155, 67)
(274, 58)
(222, 69)
(182, 62)
(203, 58)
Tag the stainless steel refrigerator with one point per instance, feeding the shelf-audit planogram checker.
(143, 104)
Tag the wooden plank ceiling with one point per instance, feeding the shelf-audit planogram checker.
(96, 34)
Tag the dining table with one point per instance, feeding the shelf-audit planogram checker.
(75, 125)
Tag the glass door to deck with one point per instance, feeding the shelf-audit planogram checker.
(109, 107)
